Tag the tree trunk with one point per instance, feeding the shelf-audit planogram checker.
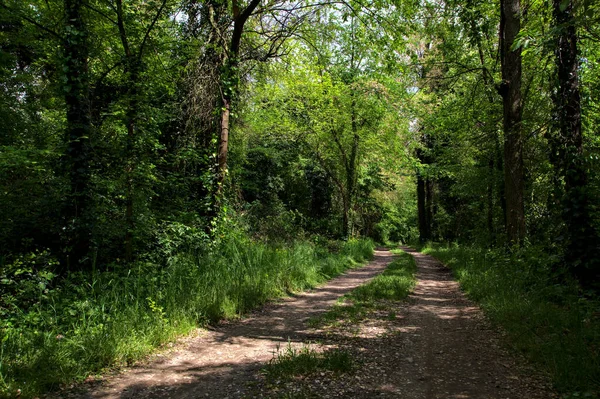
(567, 150)
(429, 209)
(229, 86)
(424, 230)
(351, 167)
(510, 89)
(78, 156)
(223, 144)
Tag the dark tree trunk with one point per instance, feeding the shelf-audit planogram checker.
(78, 152)
(425, 207)
(425, 192)
(510, 89)
(423, 226)
(429, 209)
(351, 167)
(567, 150)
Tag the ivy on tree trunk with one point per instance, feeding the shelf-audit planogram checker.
(567, 149)
(510, 90)
(77, 135)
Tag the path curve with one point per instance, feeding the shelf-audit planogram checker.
(219, 362)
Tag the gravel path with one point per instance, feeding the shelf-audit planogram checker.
(436, 344)
(450, 350)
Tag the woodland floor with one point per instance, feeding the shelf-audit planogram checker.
(435, 344)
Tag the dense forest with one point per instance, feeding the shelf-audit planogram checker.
(167, 163)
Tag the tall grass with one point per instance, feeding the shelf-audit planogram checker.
(546, 318)
(92, 321)
(394, 284)
(292, 362)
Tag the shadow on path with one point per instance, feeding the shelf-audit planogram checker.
(437, 345)
(220, 362)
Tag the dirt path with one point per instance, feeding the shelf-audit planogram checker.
(450, 350)
(437, 344)
(434, 345)
(220, 362)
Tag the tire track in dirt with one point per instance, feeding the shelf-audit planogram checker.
(219, 362)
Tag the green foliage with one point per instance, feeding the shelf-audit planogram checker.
(547, 319)
(394, 284)
(53, 332)
(292, 362)
(398, 210)
(323, 137)
(324, 144)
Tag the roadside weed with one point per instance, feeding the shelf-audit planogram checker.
(90, 321)
(292, 362)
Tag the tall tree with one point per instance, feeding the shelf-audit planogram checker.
(229, 82)
(567, 148)
(510, 90)
(133, 65)
(78, 130)
(222, 25)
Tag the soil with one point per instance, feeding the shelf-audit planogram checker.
(436, 344)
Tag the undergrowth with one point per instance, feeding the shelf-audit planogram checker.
(61, 331)
(394, 284)
(292, 362)
(546, 316)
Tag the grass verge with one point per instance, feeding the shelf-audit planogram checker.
(64, 331)
(547, 319)
(394, 284)
(292, 362)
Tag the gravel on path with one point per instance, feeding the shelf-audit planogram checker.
(436, 344)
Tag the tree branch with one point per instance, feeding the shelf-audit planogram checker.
(147, 35)
(33, 22)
